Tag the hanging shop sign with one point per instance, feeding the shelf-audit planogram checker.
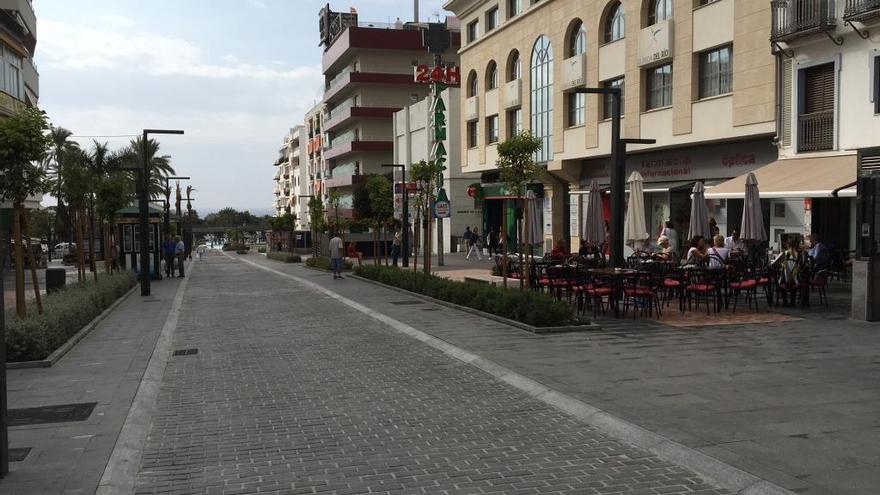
(450, 76)
(442, 207)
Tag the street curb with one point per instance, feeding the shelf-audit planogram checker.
(590, 326)
(68, 346)
(724, 475)
(120, 474)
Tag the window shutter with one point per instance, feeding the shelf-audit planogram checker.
(786, 103)
(819, 89)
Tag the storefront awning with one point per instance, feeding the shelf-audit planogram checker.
(819, 177)
(649, 187)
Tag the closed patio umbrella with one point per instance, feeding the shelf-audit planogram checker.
(699, 213)
(535, 233)
(753, 218)
(594, 223)
(634, 230)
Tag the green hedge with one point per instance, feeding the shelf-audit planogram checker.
(284, 257)
(528, 307)
(65, 313)
(261, 249)
(324, 263)
(242, 251)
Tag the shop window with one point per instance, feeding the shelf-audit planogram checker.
(716, 72)
(659, 87)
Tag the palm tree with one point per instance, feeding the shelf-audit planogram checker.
(54, 164)
(160, 165)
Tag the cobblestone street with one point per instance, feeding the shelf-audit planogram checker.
(292, 392)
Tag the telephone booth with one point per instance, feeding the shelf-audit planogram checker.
(128, 238)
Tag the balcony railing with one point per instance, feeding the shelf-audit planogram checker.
(793, 18)
(816, 131)
(339, 109)
(338, 77)
(858, 10)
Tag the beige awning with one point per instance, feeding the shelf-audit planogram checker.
(815, 177)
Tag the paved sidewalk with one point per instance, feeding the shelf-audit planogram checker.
(106, 368)
(293, 392)
(792, 402)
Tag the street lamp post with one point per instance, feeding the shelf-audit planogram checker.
(144, 209)
(405, 237)
(167, 223)
(618, 170)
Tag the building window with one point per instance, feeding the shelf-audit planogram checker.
(472, 88)
(514, 7)
(514, 67)
(514, 122)
(576, 102)
(492, 18)
(492, 129)
(659, 89)
(607, 99)
(659, 10)
(615, 23)
(472, 31)
(542, 97)
(10, 78)
(716, 72)
(877, 84)
(816, 108)
(492, 76)
(472, 134)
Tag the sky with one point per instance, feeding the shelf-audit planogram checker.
(235, 75)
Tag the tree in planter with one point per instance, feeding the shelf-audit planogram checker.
(334, 200)
(78, 182)
(113, 192)
(381, 197)
(23, 143)
(316, 220)
(429, 176)
(517, 168)
(53, 161)
(285, 223)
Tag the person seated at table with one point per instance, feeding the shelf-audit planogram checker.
(697, 252)
(354, 253)
(734, 242)
(718, 254)
(589, 250)
(664, 248)
(819, 252)
(560, 251)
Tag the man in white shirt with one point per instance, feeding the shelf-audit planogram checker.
(180, 252)
(734, 243)
(336, 256)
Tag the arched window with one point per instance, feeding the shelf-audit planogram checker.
(659, 10)
(514, 66)
(472, 84)
(615, 23)
(577, 39)
(542, 97)
(491, 76)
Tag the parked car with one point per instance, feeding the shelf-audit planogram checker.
(63, 249)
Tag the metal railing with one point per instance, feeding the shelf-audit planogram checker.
(339, 109)
(338, 77)
(861, 9)
(816, 131)
(344, 138)
(792, 18)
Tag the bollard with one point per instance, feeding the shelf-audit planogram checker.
(56, 278)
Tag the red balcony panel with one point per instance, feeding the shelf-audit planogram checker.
(378, 39)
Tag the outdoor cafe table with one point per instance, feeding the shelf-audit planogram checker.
(616, 276)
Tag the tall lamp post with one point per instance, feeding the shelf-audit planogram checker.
(167, 223)
(144, 210)
(618, 170)
(403, 190)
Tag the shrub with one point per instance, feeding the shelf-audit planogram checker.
(64, 313)
(261, 249)
(235, 246)
(528, 307)
(284, 257)
(324, 263)
(242, 251)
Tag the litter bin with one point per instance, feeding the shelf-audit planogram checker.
(56, 278)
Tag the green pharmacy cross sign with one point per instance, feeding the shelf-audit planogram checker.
(438, 119)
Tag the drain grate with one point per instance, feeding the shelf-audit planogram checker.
(51, 414)
(405, 303)
(185, 352)
(18, 455)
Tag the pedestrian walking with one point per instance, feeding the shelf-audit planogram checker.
(335, 247)
(467, 236)
(180, 251)
(169, 248)
(395, 248)
(474, 244)
(201, 250)
(493, 238)
(114, 257)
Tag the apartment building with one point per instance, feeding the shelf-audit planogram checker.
(697, 76)
(829, 117)
(369, 74)
(19, 79)
(413, 133)
(315, 171)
